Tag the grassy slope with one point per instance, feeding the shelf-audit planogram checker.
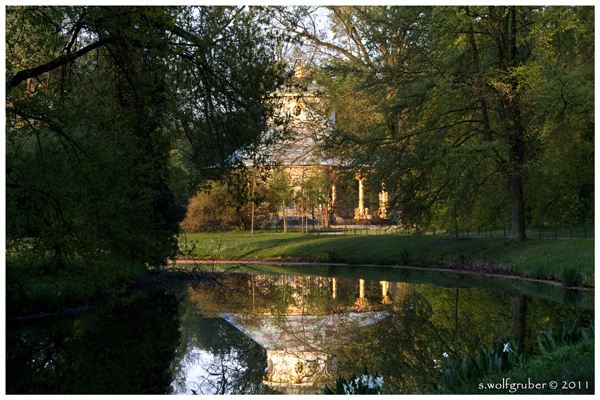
(535, 258)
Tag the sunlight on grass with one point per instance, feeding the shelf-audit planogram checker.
(535, 258)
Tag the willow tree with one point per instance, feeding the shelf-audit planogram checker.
(457, 106)
(98, 101)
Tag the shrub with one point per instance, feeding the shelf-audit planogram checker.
(571, 277)
(333, 256)
(404, 257)
(220, 209)
(456, 375)
(564, 335)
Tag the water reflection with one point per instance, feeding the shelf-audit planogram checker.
(216, 358)
(266, 333)
(125, 348)
(299, 321)
(313, 328)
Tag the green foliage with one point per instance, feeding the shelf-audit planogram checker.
(564, 335)
(566, 355)
(107, 106)
(456, 375)
(463, 119)
(35, 285)
(571, 277)
(220, 209)
(404, 257)
(334, 256)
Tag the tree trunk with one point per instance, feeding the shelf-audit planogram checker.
(284, 217)
(504, 37)
(518, 209)
(252, 222)
(302, 215)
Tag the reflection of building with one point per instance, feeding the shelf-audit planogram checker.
(301, 321)
(361, 301)
(301, 348)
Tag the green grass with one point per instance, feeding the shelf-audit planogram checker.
(534, 258)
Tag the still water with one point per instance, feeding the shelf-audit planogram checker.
(271, 329)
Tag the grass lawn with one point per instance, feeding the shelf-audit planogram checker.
(534, 258)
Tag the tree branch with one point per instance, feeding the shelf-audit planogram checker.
(60, 61)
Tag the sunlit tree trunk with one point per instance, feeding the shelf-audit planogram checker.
(284, 217)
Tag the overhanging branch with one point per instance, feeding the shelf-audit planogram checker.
(62, 60)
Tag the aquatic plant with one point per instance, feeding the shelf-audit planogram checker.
(564, 335)
(457, 374)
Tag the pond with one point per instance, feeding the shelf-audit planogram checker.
(281, 329)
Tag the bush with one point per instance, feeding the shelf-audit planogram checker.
(564, 335)
(219, 209)
(333, 256)
(571, 277)
(404, 257)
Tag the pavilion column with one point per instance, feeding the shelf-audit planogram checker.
(361, 199)
(383, 200)
(332, 195)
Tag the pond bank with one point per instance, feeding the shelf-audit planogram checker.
(466, 268)
(181, 273)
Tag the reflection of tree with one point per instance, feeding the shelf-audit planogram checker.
(428, 321)
(126, 348)
(541, 314)
(519, 309)
(423, 325)
(223, 359)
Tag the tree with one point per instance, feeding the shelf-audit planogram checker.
(221, 209)
(283, 192)
(456, 102)
(98, 101)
